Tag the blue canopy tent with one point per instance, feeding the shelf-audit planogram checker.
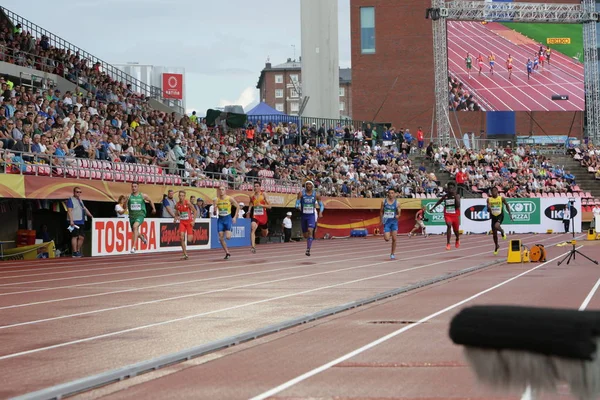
(265, 113)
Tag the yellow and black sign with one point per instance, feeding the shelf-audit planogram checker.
(558, 40)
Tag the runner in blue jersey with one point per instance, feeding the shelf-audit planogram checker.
(390, 212)
(307, 204)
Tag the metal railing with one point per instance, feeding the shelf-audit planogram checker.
(36, 164)
(115, 73)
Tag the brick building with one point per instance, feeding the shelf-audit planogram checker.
(279, 86)
(392, 39)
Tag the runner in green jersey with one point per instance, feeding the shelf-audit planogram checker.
(136, 204)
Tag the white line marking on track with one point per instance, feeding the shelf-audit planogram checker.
(385, 338)
(189, 317)
(589, 297)
(192, 281)
(227, 289)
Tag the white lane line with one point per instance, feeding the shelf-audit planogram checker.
(378, 251)
(133, 263)
(385, 338)
(589, 297)
(189, 317)
(225, 289)
(188, 265)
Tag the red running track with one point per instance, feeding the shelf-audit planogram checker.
(496, 92)
(395, 349)
(96, 315)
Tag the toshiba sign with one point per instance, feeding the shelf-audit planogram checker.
(112, 236)
(172, 86)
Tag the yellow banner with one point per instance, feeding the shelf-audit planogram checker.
(12, 186)
(33, 252)
(558, 40)
(41, 187)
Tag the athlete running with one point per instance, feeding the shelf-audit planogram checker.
(492, 60)
(222, 207)
(469, 64)
(307, 203)
(419, 224)
(136, 205)
(451, 202)
(185, 214)
(480, 62)
(495, 205)
(258, 213)
(509, 65)
(390, 212)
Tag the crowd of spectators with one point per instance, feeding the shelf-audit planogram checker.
(518, 172)
(588, 156)
(104, 120)
(459, 97)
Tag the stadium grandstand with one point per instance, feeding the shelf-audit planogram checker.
(108, 127)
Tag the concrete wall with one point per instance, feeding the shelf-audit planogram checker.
(320, 57)
(17, 71)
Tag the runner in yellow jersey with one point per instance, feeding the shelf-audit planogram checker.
(495, 207)
(222, 208)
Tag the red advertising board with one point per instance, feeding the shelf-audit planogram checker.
(172, 86)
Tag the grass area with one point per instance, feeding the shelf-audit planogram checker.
(540, 32)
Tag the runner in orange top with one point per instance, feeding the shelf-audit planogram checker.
(258, 213)
(185, 214)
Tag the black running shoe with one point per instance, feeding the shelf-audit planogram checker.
(307, 252)
(227, 256)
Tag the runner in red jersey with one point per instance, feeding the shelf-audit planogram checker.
(258, 213)
(185, 214)
(419, 223)
(451, 202)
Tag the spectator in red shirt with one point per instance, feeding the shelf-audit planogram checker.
(420, 138)
(461, 177)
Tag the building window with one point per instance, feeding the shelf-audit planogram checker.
(278, 78)
(279, 107)
(367, 30)
(294, 107)
(278, 93)
(342, 92)
(342, 106)
(294, 78)
(293, 94)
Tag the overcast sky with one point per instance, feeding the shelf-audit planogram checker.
(222, 45)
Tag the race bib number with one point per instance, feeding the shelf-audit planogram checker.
(389, 214)
(184, 216)
(496, 210)
(259, 211)
(223, 212)
(136, 207)
(450, 210)
(309, 209)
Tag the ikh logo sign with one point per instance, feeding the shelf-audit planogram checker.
(556, 212)
(477, 213)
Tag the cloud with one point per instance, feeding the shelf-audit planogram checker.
(246, 98)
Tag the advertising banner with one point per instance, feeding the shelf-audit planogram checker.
(42, 187)
(113, 236)
(33, 252)
(172, 85)
(529, 215)
(240, 234)
(436, 223)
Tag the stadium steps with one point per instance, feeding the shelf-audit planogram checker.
(585, 180)
(138, 86)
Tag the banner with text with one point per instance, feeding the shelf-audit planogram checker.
(113, 236)
(240, 234)
(435, 222)
(172, 85)
(535, 215)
